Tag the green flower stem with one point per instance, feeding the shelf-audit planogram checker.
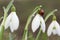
(28, 22)
(6, 11)
(1, 18)
(46, 18)
(4, 19)
(37, 38)
(1, 32)
(51, 13)
(11, 37)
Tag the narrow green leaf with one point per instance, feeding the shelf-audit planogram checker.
(1, 32)
(25, 35)
(30, 36)
(4, 9)
(44, 36)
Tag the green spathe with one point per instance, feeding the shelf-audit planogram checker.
(54, 17)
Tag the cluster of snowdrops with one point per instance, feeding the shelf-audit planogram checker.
(12, 21)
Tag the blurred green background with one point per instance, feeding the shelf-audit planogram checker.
(25, 7)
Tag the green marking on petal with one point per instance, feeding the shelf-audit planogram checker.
(54, 28)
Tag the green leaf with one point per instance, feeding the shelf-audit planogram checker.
(25, 35)
(4, 9)
(44, 36)
(30, 36)
(1, 32)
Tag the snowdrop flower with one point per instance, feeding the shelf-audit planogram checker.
(54, 28)
(38, 21)
(12, 21)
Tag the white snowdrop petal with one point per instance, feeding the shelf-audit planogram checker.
(57, 28)
(8, 21)
(43, 26)
(50, 28)
(54, 32)
(56, 24)
(14, 22)
(11, 25)
(11, 28)
(58, 31)
(36, 23)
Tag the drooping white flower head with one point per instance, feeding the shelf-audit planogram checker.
(38, 21)
(53, 28)
(12, 21)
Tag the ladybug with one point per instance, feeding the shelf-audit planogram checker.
(41, 12)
